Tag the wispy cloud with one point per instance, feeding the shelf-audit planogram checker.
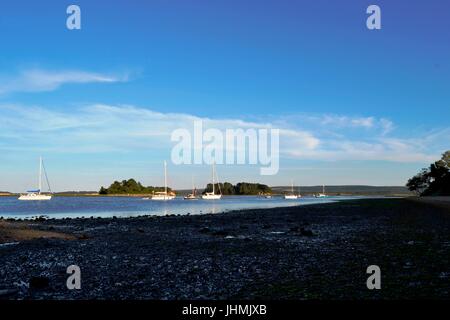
(335, 122)
(345, 121)
(117, 128)
(38, 80)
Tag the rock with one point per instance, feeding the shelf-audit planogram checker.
(83, 237)
(306, 233)
(221, 233)
(39, 282)
(204, 230)
(8, 292)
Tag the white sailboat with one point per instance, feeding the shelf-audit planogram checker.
(292, 195)
(192, 196)
(323, 194)
(36, 195)
(212, 195)
(163, 196)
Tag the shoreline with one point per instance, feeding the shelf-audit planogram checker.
(231, 195)
(300, 252)
(118, 215)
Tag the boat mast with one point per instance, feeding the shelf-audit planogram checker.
(213, 191)
(165, 177)
(323, 189)
(40, 174)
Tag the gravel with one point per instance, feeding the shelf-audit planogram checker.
(307, 252)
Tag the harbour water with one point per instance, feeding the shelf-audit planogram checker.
(77, 207)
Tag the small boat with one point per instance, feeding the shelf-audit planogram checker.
(164, 195)
(323, 194)
(265, 195)
(292, 195)
(212, 195)
(37, 195)
(192, 196)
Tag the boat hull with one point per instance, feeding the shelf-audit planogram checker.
(211, 196)
(291, 197)
(162, 198)
(34, 197)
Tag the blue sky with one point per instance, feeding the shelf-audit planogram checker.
(370, 107)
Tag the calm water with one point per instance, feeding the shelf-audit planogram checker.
(72, 207)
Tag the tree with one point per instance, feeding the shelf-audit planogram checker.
(130, 186)
(242, 188)
(434, 180)
(419, 183)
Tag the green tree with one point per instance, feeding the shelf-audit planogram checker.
(130, 186)
(242, 188)
(103, 191)
(419, 183)
(434, 180)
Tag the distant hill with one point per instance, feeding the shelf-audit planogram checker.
(304, 190)
(335, 190)
(348, 190)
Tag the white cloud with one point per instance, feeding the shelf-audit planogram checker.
(116, 128)
(394, 150)
(36, 80)
(345, 121)
(386, 125)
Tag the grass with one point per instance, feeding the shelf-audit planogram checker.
(20, 231)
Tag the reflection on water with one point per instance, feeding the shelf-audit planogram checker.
(72, 207)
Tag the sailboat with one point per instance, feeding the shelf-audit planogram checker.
(323, 194)
(163, 196)
(192, 196)
(212, 195)
(292, 195)
(36, 195)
